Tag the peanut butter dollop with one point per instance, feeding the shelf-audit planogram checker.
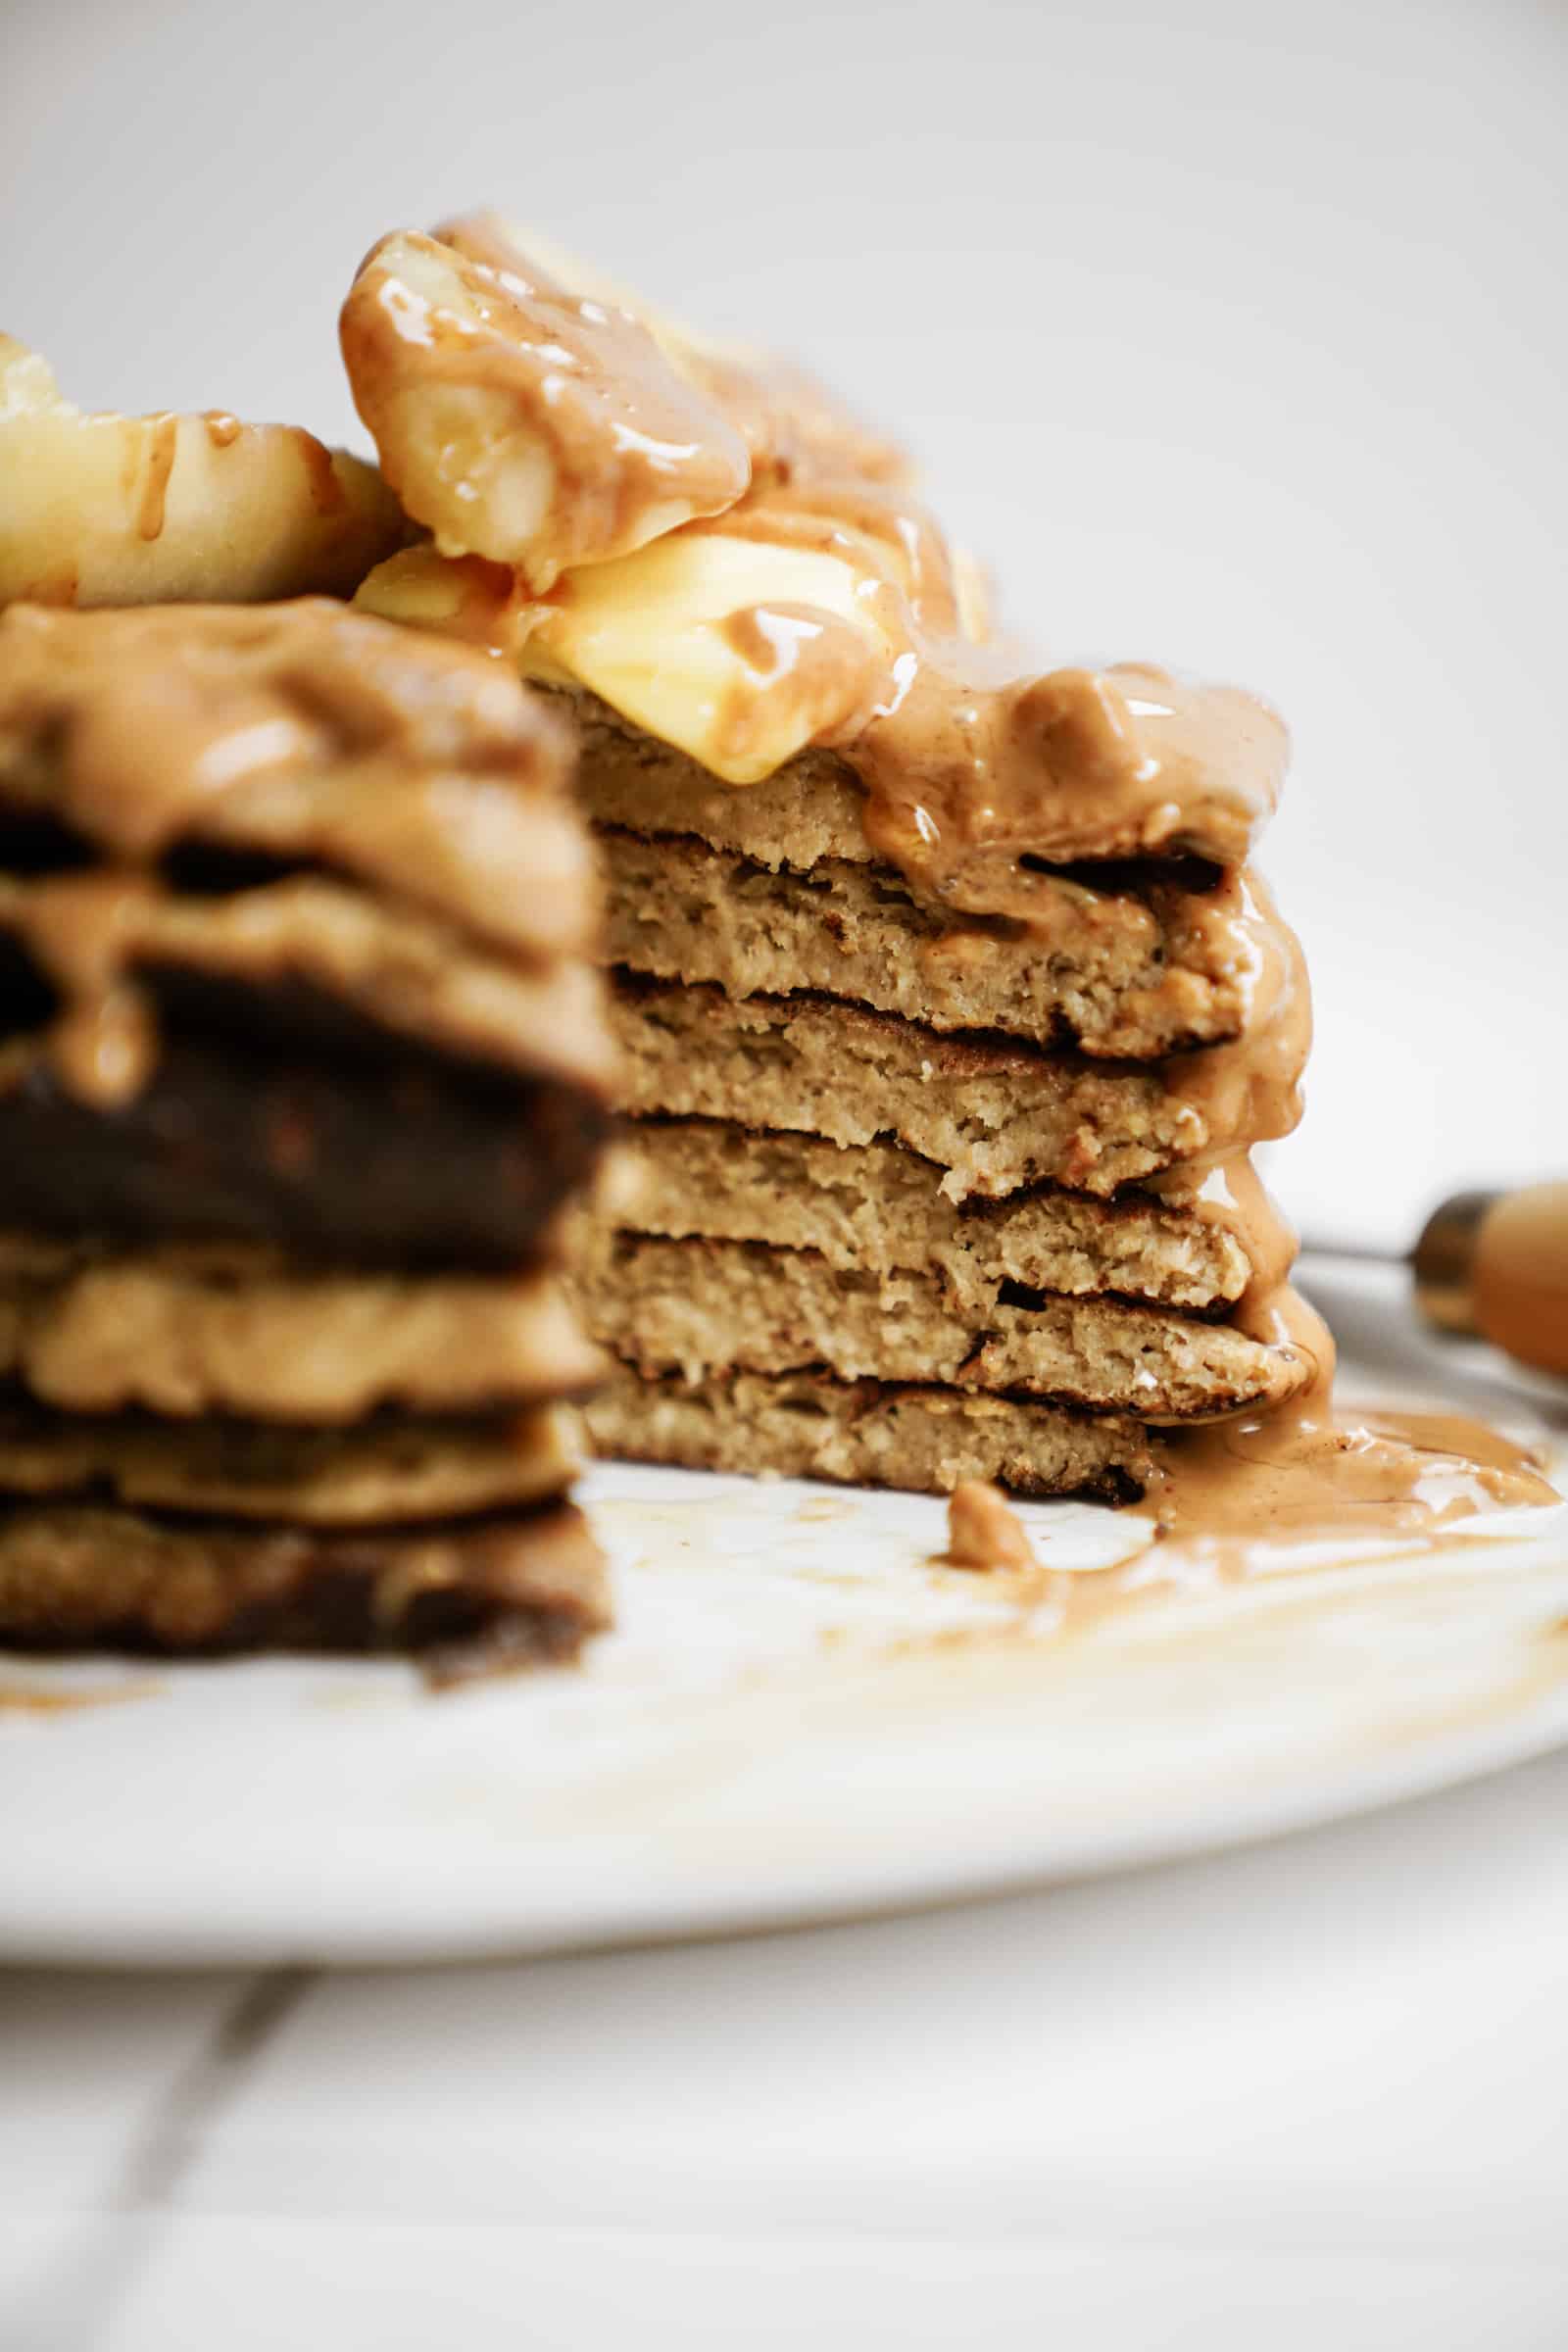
(984, 1531)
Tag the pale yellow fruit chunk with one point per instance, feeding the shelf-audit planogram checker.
(109, 510)
(738, 651)
(524, 423)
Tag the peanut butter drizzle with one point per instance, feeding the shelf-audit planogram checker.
(789, 424)
(79, 930)
(1284, 1496)
(1233, 1491)
(1284, 1493)
(1239, 1495)
(162, 440)
(798, 652)
(327, 495)
(156, 716)
(1247, 1090)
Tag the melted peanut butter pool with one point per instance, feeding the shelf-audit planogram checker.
(1306, 1489)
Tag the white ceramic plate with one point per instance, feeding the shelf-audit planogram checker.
(800, 1717)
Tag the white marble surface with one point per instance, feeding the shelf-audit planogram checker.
(1310, 2092)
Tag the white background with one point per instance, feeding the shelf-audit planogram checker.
(1232, 336)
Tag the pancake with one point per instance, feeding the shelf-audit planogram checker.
(876, 1206)
(993, 1113)
(224, 1143)
(699, 1307)
(1133, 972)
(869, 1433)
(508, 1590)
(284, 1345)
(301, 1059)
(388, 1468)
(105, 936)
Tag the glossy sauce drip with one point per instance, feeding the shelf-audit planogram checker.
(1247, 1091)
(1287, 1493)
(327, 495)
(1306, 1472)
(79, 930)
(1283, 1496)
(970, 762)
(1232, 1196)
(811, 658)
(162, 440)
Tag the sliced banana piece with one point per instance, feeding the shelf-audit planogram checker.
(524, 423)
(110, 509)
(794, 429)
(738, 651)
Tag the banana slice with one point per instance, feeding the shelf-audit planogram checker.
(792, 427)
(739, 652)
(108, 510)
(523, 423)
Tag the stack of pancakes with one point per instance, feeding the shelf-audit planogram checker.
(948, 1005)
(303, 1062)
(900, 1217)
